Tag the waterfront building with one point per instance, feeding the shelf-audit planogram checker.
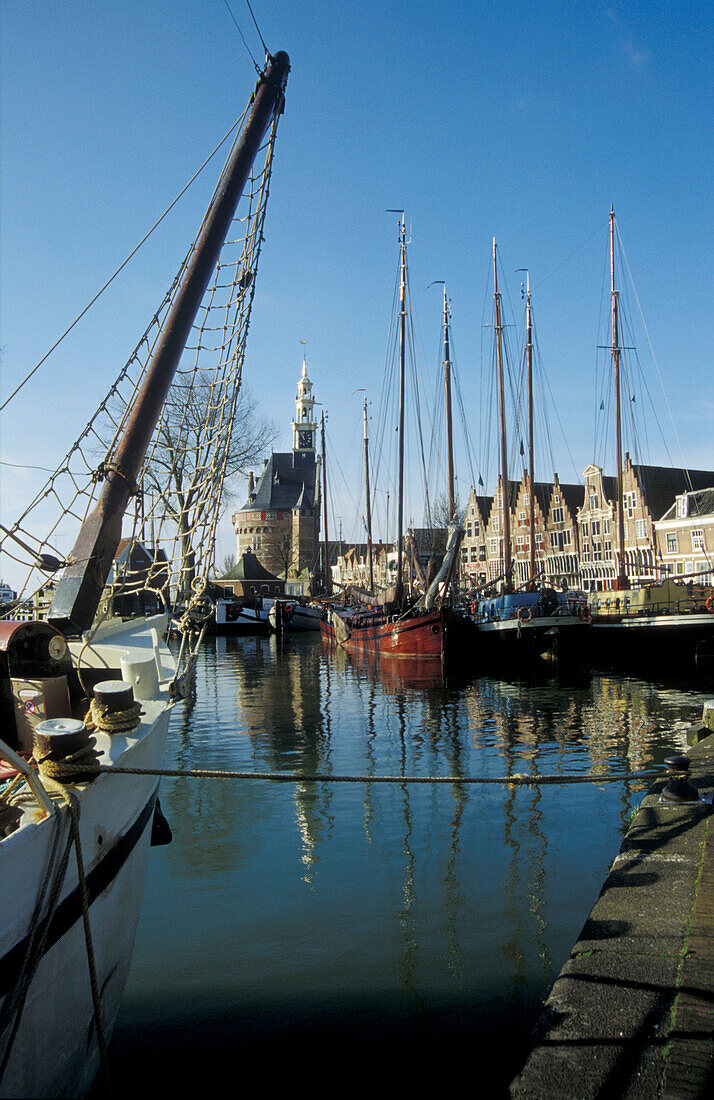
(521, 533)
(684, 536)
(280, 520)
(473, 547)
(249, 578)
(648, 492)
(7, 595)
(562, 564)
(495, 528)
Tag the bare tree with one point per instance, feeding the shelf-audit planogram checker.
(186, 469)
(229, 564)
(280, 551)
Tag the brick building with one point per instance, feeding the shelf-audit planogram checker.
(280, 520)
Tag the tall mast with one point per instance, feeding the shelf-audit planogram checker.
(402, 383)
(505, 503)
(326, 551)
(369, 504)
(449, 432)
(529, 366)
(80, 587)
(622, 581)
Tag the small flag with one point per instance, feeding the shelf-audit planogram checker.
(480, 480)
(633, 398)
(602, 405)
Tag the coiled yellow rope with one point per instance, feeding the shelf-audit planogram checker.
(99, 718)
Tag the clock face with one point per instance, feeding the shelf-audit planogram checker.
(305, 439)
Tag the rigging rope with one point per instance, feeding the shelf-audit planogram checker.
(197, 446)
(517, 779)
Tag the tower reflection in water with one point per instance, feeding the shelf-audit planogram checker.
(424, 921)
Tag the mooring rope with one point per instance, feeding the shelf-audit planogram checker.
(518, 779)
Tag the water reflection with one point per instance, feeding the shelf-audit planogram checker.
(400, 903)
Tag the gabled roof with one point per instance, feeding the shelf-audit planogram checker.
(250, 569)
(661, 484)
(700, 503)
(572, 495)
(482, 502)
(286, 482)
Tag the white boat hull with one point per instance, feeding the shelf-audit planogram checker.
(55, 1050)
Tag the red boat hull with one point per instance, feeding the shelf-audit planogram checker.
(433, 634)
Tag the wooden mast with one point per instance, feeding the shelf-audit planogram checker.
(531, 464)
(80, 587)
(505, 503)
(402, 385)
(449, 432)
(326, 542)
(622, 581)
(369, 504)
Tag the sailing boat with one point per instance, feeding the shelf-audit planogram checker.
(87, 696)
(428, 628)
(530, 621)
(667, 620)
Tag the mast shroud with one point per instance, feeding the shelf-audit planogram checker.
(369, 503)
(449, 428)
(326, 551)
(80, 588)
(402, 387)
(505, 502)
(531, 462)
(622, 581)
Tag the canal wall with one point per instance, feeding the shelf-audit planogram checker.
(632, 1011)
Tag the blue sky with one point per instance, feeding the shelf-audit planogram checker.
(517, 120)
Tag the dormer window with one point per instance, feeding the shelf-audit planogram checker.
(682, 506)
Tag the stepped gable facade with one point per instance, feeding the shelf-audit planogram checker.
(473, 547)
(649, 493)
(494, 529)
(521, 533)
(280, 520)
(561, 535)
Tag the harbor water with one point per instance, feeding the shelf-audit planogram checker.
(393, 934)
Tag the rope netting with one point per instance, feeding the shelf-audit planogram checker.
(167, 549)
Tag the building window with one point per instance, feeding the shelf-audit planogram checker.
(698, 539)
(566, 537)
(629, 501)
(493, 547)
(606, 527)
(558, 515)
(539, 541)
(584, 529)
(597, 553)
(594, 502)
(596, 527)
(495, 523)
(682, 507)
(641, 526)
(672, 543)
(482, 553)
(607, 551)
